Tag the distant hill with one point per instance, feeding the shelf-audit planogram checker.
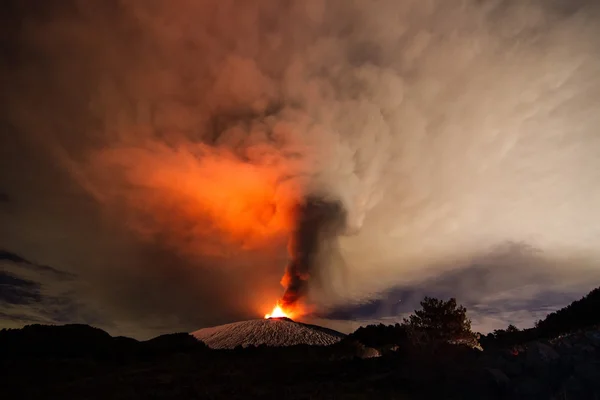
(273, 332)
(84, 341)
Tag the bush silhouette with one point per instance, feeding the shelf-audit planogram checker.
(380, 335)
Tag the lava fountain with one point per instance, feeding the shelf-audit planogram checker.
(277, 313)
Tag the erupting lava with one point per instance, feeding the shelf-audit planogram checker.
(278, 313)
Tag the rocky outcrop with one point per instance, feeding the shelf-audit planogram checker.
(565, 367)
(367, 352)
(352, 349)
(469, 341)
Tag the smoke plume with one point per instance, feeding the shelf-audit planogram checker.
(317, 223)
(390, 140)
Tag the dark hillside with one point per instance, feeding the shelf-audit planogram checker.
(579, 315)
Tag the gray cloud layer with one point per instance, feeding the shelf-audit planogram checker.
(156, 149)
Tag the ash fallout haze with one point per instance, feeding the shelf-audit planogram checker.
(164, 163)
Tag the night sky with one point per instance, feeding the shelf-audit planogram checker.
(152, 155)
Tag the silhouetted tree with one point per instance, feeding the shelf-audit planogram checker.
(439, 320)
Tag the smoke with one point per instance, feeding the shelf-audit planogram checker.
(317, 224)
(216, 130)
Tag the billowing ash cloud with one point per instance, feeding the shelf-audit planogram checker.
(194, 130)
(318, 222)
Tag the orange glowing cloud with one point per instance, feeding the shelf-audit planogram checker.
(203, 196)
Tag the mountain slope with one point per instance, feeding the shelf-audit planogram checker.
(271, 332)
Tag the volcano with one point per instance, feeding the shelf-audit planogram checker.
(274, 332)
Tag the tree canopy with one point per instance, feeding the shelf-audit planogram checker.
(441, 320)
(436, 321)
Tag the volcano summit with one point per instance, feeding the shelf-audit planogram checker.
(274, 332)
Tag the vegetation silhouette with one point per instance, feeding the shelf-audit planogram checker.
(580, 314)
(437, 322)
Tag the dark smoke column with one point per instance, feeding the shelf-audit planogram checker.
(317, 221)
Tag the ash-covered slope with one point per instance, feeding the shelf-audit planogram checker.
(271, 332)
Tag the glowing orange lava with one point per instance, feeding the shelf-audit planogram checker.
(277, 313)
